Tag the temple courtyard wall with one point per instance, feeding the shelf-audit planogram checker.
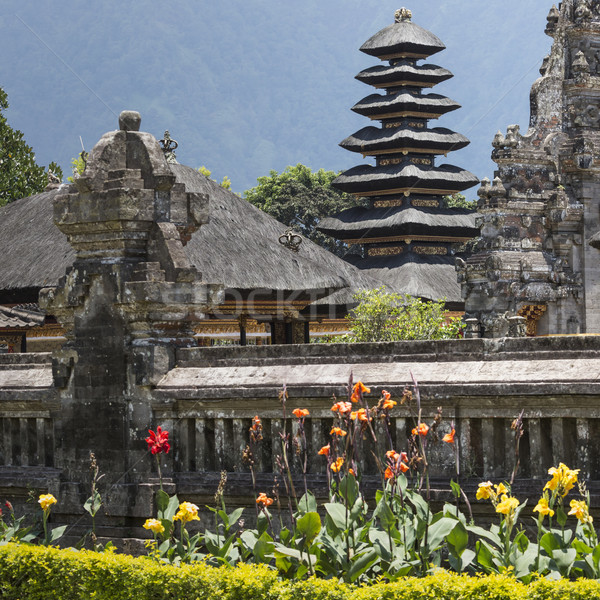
(207, 401)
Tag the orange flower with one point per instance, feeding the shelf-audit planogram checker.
(358, 390)
(342, 407)
(403, 467)
(264, 500)
(337, 465)
(300, 413)
(389, 474)
(324, 451)
(388, 404)
(449, 437)
(392, 455)
(339, 432)
(386, 395)
(421, 429)
(360, 414)
(351, 471)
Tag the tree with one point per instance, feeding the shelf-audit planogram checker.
(300, 198)
(386, 317)
(20, 176)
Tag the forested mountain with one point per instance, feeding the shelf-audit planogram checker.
(246, 87)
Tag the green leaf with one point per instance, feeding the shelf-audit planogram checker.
(93, 503)
(57, 533)
(525, 562)
(309, 526)
(564, 559)
(550, 542)
(455, 487)
(438, 531)
(561, 516)
(484, 556)
(338, 514)
(385, 515)
(349, 489)
(308, 503)
(362, 563)
(458, 540)
(162, 500)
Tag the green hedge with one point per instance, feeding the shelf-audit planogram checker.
(37, 573)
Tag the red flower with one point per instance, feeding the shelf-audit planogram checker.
(9, 506)
(158, 442)
(300, 413)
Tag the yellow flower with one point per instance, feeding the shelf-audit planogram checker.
(154, 525)
(501, 489)
(563, 479)
(187, 512)
(485, 492)
(337, 465)
(543, 508)
(507, 506)
(579, 509)
(46, 501)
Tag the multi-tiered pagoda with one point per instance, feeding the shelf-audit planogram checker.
(409, 237)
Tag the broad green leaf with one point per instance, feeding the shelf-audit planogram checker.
(458, 540)
(362, 563)
(550, 542)
(521, 542)
(491, 536)
(234, 516)
(308, 503)
(438, 531)
(525, 562)
(171, 510)
(349, 489)
(309, 526)
(338, 514)
(162, 500)
(385, 515)
(564, 559)
(561, 516)
(264, 547)
(484, 556)
(57, 533)
(455, 487)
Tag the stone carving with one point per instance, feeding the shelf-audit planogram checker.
(402, 15)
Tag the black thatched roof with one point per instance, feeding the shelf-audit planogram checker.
(403, 39)
(385, 222)
(404, 73)
(373, 181)
(34, 252)
(438, 140)
(421, 276)
(239, 247)
(429, 106)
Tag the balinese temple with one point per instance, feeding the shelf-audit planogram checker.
(408, 238)
(271, 277)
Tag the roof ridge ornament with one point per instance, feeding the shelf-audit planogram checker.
(169, 146)
(402, 15)
(291, 240)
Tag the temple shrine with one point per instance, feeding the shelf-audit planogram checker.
(408, 236)
(537, 253)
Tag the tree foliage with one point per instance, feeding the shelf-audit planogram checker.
(300, 198)
(459, 201)
(386, 317)
(20, 176)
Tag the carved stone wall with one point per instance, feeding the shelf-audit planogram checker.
(540, 213)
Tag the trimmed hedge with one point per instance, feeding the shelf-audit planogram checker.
(37, 573)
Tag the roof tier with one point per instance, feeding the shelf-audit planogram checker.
(361, 222)
(405, 178)
(375, 141)
(405, 104)
(403, 39)
(404, 74)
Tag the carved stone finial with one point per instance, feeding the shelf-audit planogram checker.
(169, 146)
(290, 240)
(499, 141)
(580, 64)
(402, 15)
(129, 120)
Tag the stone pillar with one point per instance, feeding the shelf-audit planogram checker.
(129, 300)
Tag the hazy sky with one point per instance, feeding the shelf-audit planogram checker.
(246, 87)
